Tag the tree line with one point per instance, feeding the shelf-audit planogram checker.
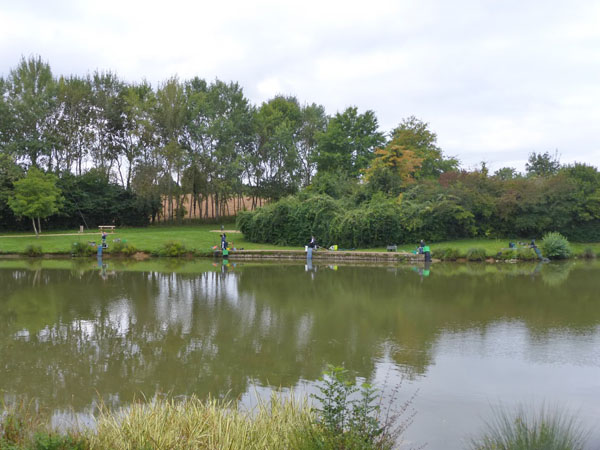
(402, 198)
(192, 137)
(120, 150)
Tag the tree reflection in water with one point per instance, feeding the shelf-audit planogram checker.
(70, 335)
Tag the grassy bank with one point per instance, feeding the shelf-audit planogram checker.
(202, 238)
(167, 424)
(281, 423)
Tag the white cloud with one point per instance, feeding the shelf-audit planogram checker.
(496, 80)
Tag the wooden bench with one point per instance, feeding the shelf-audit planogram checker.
(107, 227)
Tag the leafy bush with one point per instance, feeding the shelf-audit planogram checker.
(507, 255)
(476, 254)
(349, 417)
(33, 250)
(21, 428)
(83, 249)
(446, 253)
(123, 248)
(588, 253)
(555, 245)
(173, 249)
(526, 254)
(55, 441)
(547, 430)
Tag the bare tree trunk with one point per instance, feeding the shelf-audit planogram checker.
(199, 200)
(34, 228)
(216, 206)
(39, 225)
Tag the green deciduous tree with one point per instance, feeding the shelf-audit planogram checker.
(106, 87)
(170, 116)
(506, 173)
(349, 143)
(75, 136)
(414, 135)
(278, 123)
(542, 165)
(6, 117)
(32, 102)
(10, 172)
(314, 122)
(36, 196)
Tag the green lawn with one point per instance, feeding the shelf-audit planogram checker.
(202, 238)
(491, 246)
(194, 237)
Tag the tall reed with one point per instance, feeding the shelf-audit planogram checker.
(196, 424)
(547, 429)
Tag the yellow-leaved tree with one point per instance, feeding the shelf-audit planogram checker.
(393, 169)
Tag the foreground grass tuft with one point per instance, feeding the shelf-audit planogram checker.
(519, 430)
(196, 424)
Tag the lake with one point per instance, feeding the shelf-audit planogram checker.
(465, 338)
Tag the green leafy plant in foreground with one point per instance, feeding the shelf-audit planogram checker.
(82, 249)
(123, 248)
(173, 249)
(349, 416)
(21, 428)
(446, 254)
(555, 246)
(518, 430)
(526, 254)
(588, 253)
(34, 250)
(476, 254)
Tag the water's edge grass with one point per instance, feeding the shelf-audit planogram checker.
(201, 241)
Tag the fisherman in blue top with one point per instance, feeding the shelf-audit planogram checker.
(537, 251)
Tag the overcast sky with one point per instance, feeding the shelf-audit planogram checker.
(495, 79)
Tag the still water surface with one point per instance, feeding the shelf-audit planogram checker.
(465, 338)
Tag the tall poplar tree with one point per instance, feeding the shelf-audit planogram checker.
(32, 102)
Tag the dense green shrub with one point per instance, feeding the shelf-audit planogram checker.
(90, 199)
(349, 417)
(291, 221)
(555, 246)
(123, 248)
(173, 249)
(56, 441)
(476, 254)
(507, 255)
(446, 253)
(526, 254)
(83, 249)
(457, 205)
(33, 250)
(588, 253)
